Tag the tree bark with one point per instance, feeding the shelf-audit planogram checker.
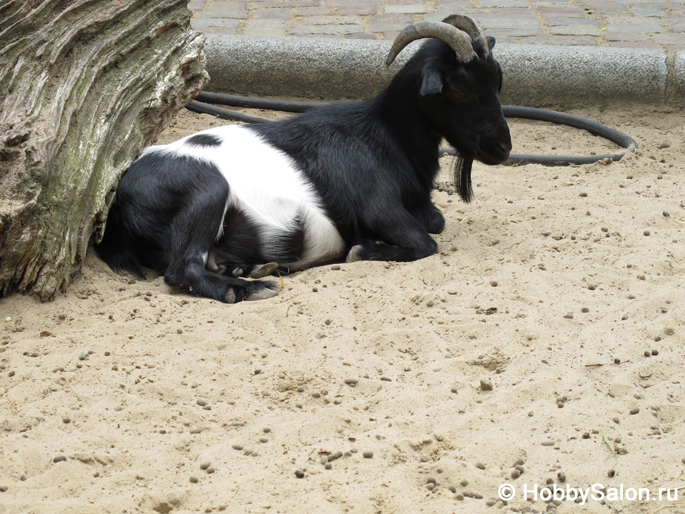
(85, 85)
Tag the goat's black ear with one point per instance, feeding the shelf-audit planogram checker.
(432, 81)
(491, 42)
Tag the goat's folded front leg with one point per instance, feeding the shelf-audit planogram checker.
(431, 218)
(398, 237)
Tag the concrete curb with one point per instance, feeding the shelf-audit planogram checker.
(534, 75)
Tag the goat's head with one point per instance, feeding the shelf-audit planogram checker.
(459, 90)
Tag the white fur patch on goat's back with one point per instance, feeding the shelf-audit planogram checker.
(268, 187)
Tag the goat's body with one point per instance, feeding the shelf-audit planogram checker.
(351, 178)
(267, 192)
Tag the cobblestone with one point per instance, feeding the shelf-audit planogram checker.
(634, 23)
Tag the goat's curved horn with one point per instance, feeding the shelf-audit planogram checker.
(471, 27)
(459, 40)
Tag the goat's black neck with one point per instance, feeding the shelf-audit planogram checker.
(398, 108)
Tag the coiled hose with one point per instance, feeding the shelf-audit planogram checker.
(202, 102)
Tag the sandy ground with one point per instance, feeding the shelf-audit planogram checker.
(549, 287)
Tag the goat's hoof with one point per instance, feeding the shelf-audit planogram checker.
(263, 270)
(264, 291)
(354, 254)
(237, 272)
(230, 296)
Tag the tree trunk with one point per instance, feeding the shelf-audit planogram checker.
(84, 86)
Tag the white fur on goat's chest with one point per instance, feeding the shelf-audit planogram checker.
(266, 185)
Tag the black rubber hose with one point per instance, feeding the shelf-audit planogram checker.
(258, 103)
(510, 111)
(225, 114)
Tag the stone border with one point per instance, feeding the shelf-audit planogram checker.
(534, 75)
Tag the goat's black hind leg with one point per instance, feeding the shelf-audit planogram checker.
(189, 243)
(239, 270)
(252, 270)
(194, 278)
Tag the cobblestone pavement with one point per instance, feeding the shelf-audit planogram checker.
(624, 23)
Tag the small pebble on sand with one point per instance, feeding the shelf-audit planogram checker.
(238, 447)
(299, 473)
(367, 454)
(204, 465)
(611, 473)
(655, 352)
(194, 480)
(201, 402)
(61, 458)
(480, 465)
(634, 410)
(485, 384)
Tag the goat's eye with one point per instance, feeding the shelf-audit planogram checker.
(463, 96)
(460, 93)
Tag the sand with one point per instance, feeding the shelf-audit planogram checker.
(549, 287)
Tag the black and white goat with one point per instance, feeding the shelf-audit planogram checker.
(351, 179)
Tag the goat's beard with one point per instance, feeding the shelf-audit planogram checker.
(462, 177)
